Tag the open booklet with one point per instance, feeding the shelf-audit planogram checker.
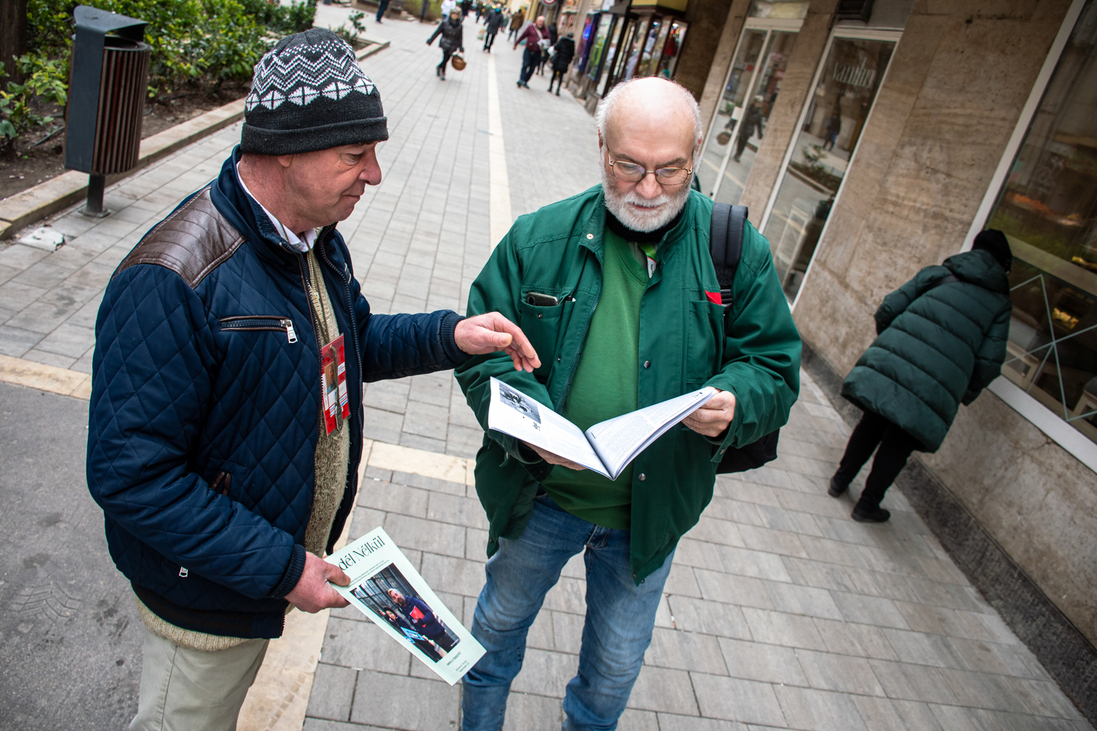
(386, 588)
(607, 447)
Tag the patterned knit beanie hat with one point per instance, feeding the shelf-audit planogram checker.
(309, 93)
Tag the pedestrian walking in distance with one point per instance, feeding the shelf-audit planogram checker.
(494, 22)
(226, 467)
(451, 32)
(516, 21)
(941, 339)
(561, 60)
(618, 335)
(536, 37)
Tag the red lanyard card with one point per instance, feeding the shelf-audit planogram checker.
(333, 384)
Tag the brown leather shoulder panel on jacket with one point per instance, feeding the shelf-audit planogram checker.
(191, 242)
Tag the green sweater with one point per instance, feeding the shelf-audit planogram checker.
(605, 387)
(560, 251)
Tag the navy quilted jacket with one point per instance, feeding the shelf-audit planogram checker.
(205, 407)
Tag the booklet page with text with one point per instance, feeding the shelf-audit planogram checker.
(607, 447)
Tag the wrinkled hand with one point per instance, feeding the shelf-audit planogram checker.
(312, 592)
(552, 458)
(490, 332)
(713, 417)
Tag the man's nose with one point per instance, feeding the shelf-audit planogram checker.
(649, 187)
(371, 171)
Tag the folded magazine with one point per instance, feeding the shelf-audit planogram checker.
(607, 447)
(386, 588)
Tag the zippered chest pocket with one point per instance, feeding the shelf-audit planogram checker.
(254, 323)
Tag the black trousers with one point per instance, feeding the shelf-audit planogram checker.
(557, 78)
(893, 446)
(489, 41)
(445, 60)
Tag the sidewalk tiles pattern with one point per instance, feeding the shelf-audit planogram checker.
(780, 613)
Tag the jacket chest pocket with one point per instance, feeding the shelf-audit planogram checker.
(259, 323)
(543, 325)
(704, 329)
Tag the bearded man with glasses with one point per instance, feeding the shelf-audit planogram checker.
(616, 290)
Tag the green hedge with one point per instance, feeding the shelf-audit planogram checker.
(194, 42)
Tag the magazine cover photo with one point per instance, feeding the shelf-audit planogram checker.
(391, 598)
(386, 588)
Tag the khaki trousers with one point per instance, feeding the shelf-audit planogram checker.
(191, 690)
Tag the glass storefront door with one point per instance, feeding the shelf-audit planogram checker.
(816, 164)
(749, 94)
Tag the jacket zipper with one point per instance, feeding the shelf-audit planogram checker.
(247, 323)
(575, 362)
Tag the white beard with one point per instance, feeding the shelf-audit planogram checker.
(655, 213)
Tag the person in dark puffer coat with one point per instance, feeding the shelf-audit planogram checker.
(565, 51)
(941, 340)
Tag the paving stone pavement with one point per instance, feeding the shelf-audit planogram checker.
(780, 612)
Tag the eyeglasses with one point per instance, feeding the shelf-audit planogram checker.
(632, 173)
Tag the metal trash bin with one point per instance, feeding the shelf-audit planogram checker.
(108, 84)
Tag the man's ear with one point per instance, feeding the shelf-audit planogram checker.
(284, 160)
(601, 142)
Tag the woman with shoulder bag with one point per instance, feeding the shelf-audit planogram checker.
(450, 30)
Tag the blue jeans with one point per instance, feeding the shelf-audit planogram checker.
(530, 59)
(619, 621)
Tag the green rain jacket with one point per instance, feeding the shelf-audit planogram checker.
(683, 346)
(939, 344)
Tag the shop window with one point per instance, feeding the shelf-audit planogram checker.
(820, 155)
(738, 125)
(1047, 208)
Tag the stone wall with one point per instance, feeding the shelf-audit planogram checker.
(706, 19)
(942, 120)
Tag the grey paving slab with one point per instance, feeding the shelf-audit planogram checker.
(685, 651)
(665, 689)
(427, 705)
(734, 699)
(332, 692)
(762, 662)
(16, 341)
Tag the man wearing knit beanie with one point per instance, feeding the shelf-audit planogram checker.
(226, 422)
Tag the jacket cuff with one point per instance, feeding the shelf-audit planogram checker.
(455, 355)
(293, 573)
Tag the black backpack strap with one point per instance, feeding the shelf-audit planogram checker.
(726, 244)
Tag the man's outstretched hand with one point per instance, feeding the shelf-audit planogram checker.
(312, 592)
(490, 332)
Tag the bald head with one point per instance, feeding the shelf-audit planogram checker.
(650, 106)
